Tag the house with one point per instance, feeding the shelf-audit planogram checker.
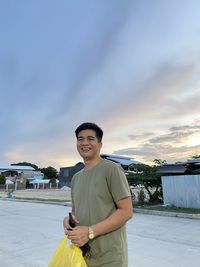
(66, 173)
(19, 175)
(181, 184)
(127, 163)
(188, 167)
(174, 169)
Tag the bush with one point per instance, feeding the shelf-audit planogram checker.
(53, 182)
(2, 179)
(157, 197)
(141, 197)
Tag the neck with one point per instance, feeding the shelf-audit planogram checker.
(90, 163)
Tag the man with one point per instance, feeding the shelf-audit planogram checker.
(101, 203)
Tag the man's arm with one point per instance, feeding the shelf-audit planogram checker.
(124, 212)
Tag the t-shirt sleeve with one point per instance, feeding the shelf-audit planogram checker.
(72, 189)
(117, 182)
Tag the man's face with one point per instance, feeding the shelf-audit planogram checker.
(88, 145)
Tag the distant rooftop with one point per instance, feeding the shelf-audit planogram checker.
(194, 161)
(172, 168)
(126, 161)
(16, 167)
(191, 166)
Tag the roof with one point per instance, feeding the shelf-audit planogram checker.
(194, 161)
(191, 166)
(9, 181)
(40, 181)
(16, 167)
(120, 159)
(35, 177)
(175, 168)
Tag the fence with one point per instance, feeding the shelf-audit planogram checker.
(4, 187)
(182, 191)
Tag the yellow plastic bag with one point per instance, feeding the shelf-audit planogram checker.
(67, 256)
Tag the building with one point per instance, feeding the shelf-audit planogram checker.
(188, 167)
(18, 176)
(127, 163)
(181, 184)
(66, 173)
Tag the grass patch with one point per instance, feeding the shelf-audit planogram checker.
(168, 208)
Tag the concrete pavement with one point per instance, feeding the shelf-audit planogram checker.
(30, 232)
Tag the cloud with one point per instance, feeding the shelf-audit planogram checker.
(43, 74)
(151, 100)
(172, 146)
(121, 64)
(171, 154)
(140, 137)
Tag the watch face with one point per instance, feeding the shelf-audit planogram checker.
(91, 235)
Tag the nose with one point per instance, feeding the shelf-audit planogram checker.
(84, 141)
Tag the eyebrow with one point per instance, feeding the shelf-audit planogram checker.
(89, 136)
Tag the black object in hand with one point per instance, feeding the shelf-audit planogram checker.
(85, 248)
(71, 220)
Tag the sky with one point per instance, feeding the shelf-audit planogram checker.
(132, 67)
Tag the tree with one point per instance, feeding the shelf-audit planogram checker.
(195, 156)
(49, 172)
(2, 179)
(159, 162)
(25, 164)
(148, 177)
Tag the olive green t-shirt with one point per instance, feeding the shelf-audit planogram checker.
(94, 194)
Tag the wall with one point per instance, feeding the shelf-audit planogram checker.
(182, 190)
(66, 174)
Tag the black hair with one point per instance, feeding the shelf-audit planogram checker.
(90, 126)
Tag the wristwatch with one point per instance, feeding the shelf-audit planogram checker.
(90, 233)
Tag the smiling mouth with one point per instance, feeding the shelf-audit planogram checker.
(85, 150)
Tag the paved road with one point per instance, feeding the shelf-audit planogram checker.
(30, 232)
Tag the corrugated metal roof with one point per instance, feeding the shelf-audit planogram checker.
(172, 169)
(197, 160)
(121, 160)
(40, 181)
(16, 167)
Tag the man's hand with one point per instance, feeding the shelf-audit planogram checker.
(78, 235)
(66, 225)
